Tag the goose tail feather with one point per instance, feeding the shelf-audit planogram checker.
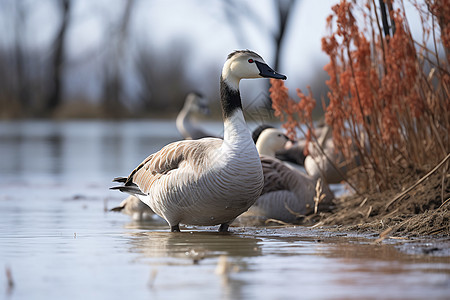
(130, 189)
(117, 208)
(120, 179)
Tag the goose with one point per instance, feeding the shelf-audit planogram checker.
(287, 193)
(270, 141)
(330, 164)
(209, 181)
(326, 165)
(292, 154)
(138, 210)
(194, 104)
(293, 150)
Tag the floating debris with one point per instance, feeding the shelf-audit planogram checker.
(195, 255)
(383, 235)
(151, 279)
(10, 280)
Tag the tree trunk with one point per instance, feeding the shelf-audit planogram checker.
(58, 59)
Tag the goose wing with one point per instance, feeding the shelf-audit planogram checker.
(192, 154)
(272, 170)
(278, 176)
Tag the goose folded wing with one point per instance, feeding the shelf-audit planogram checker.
(273, 174)
(168, 159)
(278, 176)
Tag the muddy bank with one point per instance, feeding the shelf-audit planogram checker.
(421, 211)
(418, 246)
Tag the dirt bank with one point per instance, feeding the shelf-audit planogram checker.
(421, 209)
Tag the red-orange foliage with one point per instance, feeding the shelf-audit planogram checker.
(292, 113)
(389, 94)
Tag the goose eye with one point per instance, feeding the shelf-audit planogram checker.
(251, 60)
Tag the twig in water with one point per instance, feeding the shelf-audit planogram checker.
(105, 205)
(10, 279)
(151, 279)
(383, 235)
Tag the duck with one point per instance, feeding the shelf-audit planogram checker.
(135, 208)
(194, 104)
(288, 194)
(208, 181)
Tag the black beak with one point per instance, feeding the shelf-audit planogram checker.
(266, 71)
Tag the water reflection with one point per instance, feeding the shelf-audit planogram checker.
(193, 245)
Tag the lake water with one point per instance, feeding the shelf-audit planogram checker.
(58, 240)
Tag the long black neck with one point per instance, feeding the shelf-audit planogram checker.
(229, 98)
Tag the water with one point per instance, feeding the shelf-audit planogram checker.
(59, 241)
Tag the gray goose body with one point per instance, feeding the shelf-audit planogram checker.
(287, 193)
(208, 181)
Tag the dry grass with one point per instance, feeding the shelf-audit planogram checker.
(389, 106)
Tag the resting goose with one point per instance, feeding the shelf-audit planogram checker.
(194, 104)
(287, 193)
(293, 150)
(208, 181)
(330, 164)
(138, 210)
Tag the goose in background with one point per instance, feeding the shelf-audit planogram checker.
(208, 181)
(135, 208)
(327, 163)
(293, 150)
(288, 194)
(194, 105)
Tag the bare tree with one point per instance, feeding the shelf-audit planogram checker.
(236, 10)
(58, 57)
(21, 85)
(113, 81)
(164, 78)
(284, 9)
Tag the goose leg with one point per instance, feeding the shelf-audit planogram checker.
(175, 228)
(224, 227)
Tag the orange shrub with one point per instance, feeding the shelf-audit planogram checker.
(389, 94)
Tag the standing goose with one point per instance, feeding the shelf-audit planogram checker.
(208, 181)
(194, 104)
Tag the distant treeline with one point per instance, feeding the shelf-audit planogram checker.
(130, 77)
